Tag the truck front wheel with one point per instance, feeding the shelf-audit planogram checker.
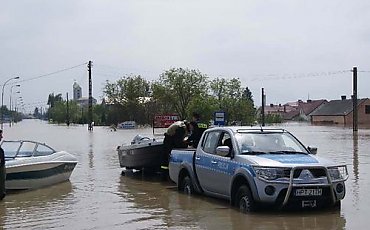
(187, 186)
(244, 200)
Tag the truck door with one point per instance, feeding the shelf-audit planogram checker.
(212, 170)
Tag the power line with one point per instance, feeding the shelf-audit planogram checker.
(52, 73)
(298, 76)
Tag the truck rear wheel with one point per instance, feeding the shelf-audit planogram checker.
(187, 186)
(244, 200)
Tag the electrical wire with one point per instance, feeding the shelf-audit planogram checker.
(52, 73)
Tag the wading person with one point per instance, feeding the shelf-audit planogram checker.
(2, 169)
(174, 138)
(196, 128)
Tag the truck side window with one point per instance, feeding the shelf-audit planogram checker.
(211, 142)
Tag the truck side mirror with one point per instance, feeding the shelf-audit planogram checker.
(223, 151)
(312, 150)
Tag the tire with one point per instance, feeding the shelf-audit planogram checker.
(336, 206)
(187, 186)
(244, 200)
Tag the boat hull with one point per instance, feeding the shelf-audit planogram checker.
(24, 173)
(33, 176)
(139, 156)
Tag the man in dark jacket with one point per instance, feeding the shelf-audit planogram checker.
(2, 169)
(197, 128)
(174, 138)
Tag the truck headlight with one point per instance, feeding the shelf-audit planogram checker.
(266, 173)
(338, 173)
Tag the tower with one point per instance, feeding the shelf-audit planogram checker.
(77, 91)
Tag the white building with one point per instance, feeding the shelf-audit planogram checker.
(77, 96)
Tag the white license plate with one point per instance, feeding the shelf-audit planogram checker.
(308, 192)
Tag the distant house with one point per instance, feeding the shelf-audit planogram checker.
(303, 110)
(341, 112)
(276, 109)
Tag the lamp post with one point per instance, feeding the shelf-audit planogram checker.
(2, 99)
(10, 103)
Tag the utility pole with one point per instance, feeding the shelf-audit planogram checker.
(90, 119)
(355, 114)
(67, 111)
(263, 106)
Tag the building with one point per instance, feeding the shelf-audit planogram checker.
(77, 91)
(77, 96)
(341, 112)
(303, 110)
(279, 110)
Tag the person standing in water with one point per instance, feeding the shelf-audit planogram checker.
(2, 169)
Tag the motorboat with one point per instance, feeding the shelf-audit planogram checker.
(32, 165)
(142, 153)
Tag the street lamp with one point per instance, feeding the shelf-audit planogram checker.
(2, 99)
(10, 103)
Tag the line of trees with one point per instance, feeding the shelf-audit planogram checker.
(178, 90)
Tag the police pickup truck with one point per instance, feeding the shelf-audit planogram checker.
(255, 166)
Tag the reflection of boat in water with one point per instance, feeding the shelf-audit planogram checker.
(31, 165)
(143, 152)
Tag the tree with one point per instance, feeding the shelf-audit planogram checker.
(128, 97)
(53, 99)
(177, 87)
(231, 99)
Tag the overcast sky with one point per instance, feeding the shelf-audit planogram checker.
(294, 49)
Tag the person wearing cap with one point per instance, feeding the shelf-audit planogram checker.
(2, 169)
(175, 138)
(197, 128)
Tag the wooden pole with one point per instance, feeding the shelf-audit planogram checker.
(263, 107)
(67, 111)
(355, 114)
(90, 114)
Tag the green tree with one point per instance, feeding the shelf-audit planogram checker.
(232, 99)
(177, 87)
(127, 97)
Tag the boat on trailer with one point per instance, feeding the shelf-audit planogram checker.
(142, 153)
(32, 165)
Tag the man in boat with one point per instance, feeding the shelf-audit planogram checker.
(175, 138)
(197, 128)
(2, 169)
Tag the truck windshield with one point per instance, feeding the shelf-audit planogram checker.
(268, 142)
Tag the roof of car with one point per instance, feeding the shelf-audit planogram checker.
(240, 129)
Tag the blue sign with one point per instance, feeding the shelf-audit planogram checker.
(219, 118)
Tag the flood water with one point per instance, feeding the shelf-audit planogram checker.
(98, 197)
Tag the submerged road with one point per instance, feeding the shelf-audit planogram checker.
(98, 197)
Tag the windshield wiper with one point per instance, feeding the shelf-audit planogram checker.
(253, 153)
(286, 152)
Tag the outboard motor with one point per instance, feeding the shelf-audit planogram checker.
(140, 139)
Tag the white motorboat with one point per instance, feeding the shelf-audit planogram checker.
(31, 165)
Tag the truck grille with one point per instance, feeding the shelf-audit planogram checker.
(316, 172)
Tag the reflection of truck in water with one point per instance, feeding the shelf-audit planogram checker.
(250, 166)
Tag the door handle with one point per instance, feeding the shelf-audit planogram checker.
(197, 158)
(214, 162)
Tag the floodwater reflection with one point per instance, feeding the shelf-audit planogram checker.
(154, 199)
